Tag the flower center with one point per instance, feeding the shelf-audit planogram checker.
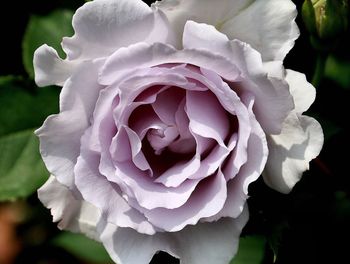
(161, 138)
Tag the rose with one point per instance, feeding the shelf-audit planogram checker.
(165, 120)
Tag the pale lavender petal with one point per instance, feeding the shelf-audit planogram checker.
(178, 173)
(138, 157)
(160, 138)
(207, 117)
(142, 55)
(186, 142)
(213, 161)
(151, 195)
(120, 146)
(106, 196)
(207, 200)
(50, 68)
(60, 134)
(129, 89)
(101, 27)
(220, 238)
(167, 104)
(273, 101)
(233, 104)
(143, 119)
(237, 188)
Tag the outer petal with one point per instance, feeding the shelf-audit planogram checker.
(204, 243)
(142, 55)
(103, 26)
(302, 91)
(267, 25)
(205, 11)
(74, 215)
(50, 68)
(300, 141)
(273, 101)
(60, 134)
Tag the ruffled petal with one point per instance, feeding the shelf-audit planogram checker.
(207, 200)
(215, 242)
(207, 117)
(106, 195)
(50, 68)
(302, 91)
(300, 141)
(267, 25)
(237, 188)
(72, 214)
(101, 27)
(273, 101)
(202, 11)
(60, 134)
(142, 55)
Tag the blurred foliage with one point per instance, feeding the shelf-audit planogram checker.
(307, 226)
(21, 169)
(251, 250)
(82, 247)
(48, 29)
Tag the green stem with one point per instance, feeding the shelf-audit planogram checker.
(319, 69)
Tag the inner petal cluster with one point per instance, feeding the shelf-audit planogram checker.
(167, 142)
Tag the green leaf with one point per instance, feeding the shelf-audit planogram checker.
(48, 29)
(82, 247)
(338, 71)
(21, 168)
(251, 250)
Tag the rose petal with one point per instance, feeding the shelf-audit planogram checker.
(273, 101)
(143, 119)
(302, 91)
(50, 68)
(72, 214)
(300, 141)
(142, 55)
(267, 25)
(202, 11)
(178, 173)
(96, 189)
(207, 200)
(232, 104)
(60, 134)
(167, 103)
(204, 243)
(149, 194)
(101, 27)
(207, 117)
(213, 161)
(237, 188)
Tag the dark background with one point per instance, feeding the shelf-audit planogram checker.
(310, 225)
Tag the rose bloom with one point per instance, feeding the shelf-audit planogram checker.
(167, 114)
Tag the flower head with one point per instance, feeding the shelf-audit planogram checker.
(167, 114)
